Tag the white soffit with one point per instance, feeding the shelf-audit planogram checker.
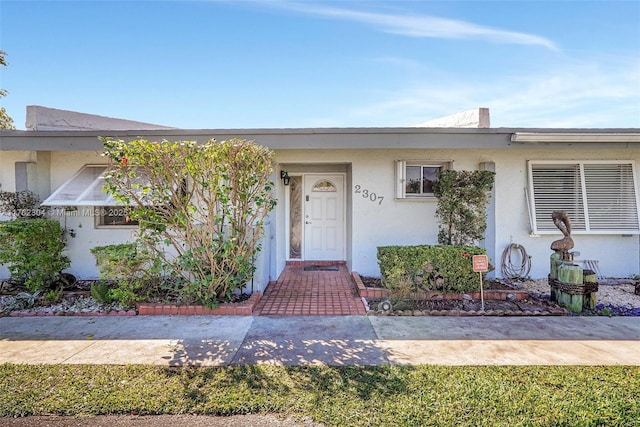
(534, 137)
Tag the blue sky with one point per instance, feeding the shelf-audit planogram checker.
(255, 64)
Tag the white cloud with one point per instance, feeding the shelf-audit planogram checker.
(575, 95)
(422, 25)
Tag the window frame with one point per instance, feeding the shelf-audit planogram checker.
(81, 196)
(627, 197)
(401, 177)
(100, 212)
(85, 197)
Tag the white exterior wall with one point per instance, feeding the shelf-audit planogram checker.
(369, 224)
(618, 256)
(83, 263)
(393, 222)
(411, 222)
(8, 160)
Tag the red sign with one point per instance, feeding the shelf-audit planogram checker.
(480, 263)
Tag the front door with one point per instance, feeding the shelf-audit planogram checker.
(324, 217)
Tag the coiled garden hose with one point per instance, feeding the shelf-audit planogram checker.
(519, 269)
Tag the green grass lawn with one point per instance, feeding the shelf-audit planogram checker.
(343, 396)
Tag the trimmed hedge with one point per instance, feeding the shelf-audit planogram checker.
(442, 268)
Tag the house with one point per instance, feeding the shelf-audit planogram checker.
(342, 192)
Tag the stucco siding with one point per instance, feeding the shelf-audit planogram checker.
(618, 255)
(372, 221)
(398, 222)
(64, 164)
(379, 222)
(7, 167)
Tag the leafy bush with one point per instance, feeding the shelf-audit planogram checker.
(124, 261)
(462, 200)
(33, 250)
(200, 208)
(101, 293)
(443, 268)
(133, 269)
(54, 296)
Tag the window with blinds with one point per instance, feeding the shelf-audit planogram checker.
(599, 197)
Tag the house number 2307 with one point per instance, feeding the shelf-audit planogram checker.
(366, 194)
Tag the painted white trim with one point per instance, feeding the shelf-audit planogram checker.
(524, 137)
(584, 195)
(344, 213)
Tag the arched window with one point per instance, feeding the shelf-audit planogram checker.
(324, 186)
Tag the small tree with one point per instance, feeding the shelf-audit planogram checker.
(200, 207)
(462, 200)
(6, 122)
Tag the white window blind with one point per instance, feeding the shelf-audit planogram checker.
(599, 197)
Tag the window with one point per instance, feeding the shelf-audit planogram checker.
(84, 190)
(113, 216)
(324, 186)
(599, 196)
(415, 178)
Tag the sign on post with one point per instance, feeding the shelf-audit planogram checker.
(480, 265)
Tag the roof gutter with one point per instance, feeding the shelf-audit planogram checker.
(577, 137)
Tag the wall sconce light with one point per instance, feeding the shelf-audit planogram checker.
(286, 179)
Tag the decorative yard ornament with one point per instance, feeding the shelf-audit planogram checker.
(571, 286)
(562, 221)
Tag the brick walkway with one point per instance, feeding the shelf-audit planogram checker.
(320, 292)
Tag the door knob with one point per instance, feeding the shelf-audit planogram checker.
(307, 222)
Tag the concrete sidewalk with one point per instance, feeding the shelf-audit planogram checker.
(313, 340)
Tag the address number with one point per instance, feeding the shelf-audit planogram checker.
(369, 195)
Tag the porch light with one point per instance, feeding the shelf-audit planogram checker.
(286, 179)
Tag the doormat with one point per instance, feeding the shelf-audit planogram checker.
(321, 268)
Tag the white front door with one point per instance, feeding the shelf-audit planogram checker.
(324, 228)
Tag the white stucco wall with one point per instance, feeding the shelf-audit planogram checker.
(618, 256)
(409, 222)
(87, 235)
(7, 167)
(370, 224)
(392, 222)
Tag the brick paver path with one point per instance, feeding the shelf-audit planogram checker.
(320, 292)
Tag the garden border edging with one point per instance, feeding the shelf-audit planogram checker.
(244, 308)
(381, 293)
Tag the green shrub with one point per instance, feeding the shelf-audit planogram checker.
(133, 269)
(33, 250)
(443, 268)
(101, 293)
(462, 202)
(123, 261)
(127, 293)
(54, 296)
(200, 207)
